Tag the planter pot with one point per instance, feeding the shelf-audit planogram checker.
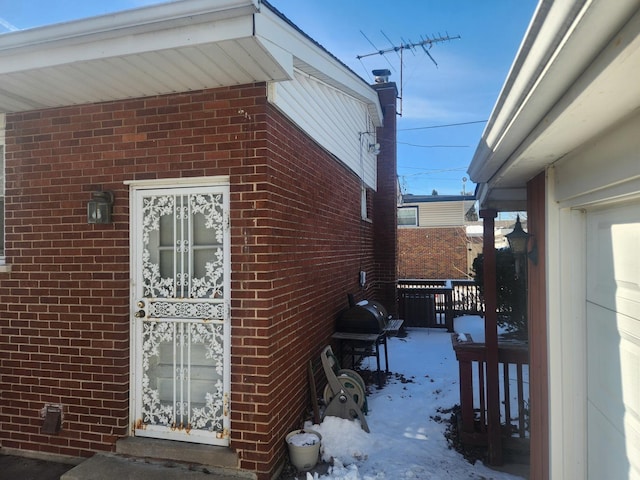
(304, 448)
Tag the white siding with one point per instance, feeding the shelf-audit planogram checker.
(335, 120)
(587, 176)
(441, 214)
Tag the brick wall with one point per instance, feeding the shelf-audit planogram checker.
(298, 244)
(301, 250)
(432, 253)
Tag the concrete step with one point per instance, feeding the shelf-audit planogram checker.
(105, 466)
(210, 456)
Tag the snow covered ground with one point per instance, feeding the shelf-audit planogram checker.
(405, 442)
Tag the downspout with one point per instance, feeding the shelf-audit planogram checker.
(491, 337)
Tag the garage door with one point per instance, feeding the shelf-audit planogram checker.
(613, 342)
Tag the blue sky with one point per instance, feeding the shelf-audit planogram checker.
(461, 89)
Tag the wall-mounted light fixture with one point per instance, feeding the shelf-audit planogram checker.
(518, 240)
(99, 207)
(374, 148)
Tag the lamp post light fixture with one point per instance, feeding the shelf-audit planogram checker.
(518, 240)
(99, 207)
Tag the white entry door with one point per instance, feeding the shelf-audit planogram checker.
(180, 314)
(613, 342)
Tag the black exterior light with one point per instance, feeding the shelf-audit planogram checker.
(99, 207)
(518, 240)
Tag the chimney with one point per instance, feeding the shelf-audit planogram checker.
(381, 76)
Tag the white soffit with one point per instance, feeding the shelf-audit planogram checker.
(172, 47)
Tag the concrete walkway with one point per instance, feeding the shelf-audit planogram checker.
(108, 467)
(14, 467)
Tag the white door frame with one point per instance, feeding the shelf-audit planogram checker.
(137, 188)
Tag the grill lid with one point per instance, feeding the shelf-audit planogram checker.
(364, 317)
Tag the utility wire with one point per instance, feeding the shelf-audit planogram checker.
(432, 146)
(8, 26)
(442, 126)
(431, 172)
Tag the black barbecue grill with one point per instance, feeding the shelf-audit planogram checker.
(362, 328)
(363, 317)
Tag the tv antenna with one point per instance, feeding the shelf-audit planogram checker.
(425, 44)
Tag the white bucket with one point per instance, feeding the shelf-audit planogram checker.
(304, 448)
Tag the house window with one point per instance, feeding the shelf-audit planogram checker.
(408, 216)
(365, 203)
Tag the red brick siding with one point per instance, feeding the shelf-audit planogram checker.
(432, 253)
(298, 244)
(301, 248)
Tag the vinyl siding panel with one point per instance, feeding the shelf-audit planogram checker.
(335, 120)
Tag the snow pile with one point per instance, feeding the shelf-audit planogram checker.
(344, 440)
(303, 439)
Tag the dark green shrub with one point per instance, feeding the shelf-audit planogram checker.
(511, 291)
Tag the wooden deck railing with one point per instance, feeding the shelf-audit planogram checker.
(513, 361)
(435, 303)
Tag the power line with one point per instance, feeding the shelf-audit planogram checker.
(431, 172)
(442, 126)
(8, 26)
(423, 169)
(432, 146)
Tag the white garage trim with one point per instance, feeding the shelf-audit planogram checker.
(566, 336)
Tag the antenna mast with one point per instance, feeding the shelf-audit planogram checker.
(423, 43)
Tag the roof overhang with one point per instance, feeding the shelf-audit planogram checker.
(575, 76)
(171, 47)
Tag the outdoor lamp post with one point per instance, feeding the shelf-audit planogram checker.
(518, 240)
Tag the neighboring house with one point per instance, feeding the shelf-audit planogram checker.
(247, 201)
(564, 142)
(432, 236)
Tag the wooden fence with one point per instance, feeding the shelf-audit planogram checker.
(513, 365)
(435, 303)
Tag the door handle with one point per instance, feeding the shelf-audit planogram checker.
(139, 314)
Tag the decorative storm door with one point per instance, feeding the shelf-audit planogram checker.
(180, 305)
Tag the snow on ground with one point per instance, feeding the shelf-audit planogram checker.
(405, 442)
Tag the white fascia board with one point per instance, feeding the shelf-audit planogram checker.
(505, 129)
(562, 40)
(280, 56)
(128, 42)
(129, 22)
(501, 199)
(310, 58)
